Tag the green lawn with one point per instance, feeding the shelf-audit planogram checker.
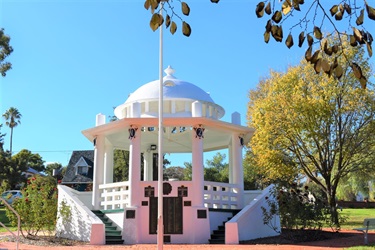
(355, 216)
(5, 221)
(361, 248)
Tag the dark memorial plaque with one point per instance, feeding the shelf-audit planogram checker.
(172, 215)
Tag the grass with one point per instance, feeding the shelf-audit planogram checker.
(361, 248)
(4, 219)
(355, 216)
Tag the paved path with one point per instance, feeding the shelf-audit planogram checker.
(333, 244)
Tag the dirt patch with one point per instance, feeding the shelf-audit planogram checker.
(43, 241)
(294, 236)
(287, 237)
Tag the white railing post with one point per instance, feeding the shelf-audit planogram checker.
(221, 195)
(115, 195)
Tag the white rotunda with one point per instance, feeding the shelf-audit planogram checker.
(194, 209)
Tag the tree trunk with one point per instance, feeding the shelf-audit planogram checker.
(11, 139)
(333, 211)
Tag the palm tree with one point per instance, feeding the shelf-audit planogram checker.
(12, 117)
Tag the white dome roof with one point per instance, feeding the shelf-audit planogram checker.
(175, 90)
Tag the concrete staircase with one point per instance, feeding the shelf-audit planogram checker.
(112, 234)
(218, 236)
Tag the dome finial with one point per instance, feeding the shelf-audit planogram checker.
(169, 71)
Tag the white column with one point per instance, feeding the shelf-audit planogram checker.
(100, 119)
(231, 165)
(196, 109)
(147, 165)
(135, 110)
(135, 168)
(211, 111)
(98, 177)
(236, 118)
(237, 167)
(108, 163)
(197, 169)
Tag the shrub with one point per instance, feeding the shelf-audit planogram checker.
(38, 206)
(297, 208)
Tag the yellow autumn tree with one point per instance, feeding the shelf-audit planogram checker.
(314, 124)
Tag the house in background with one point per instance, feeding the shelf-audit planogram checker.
(30, 172)
(79, 172)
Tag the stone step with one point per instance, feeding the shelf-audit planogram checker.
(216, 241)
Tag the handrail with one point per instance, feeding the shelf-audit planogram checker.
(18, 222)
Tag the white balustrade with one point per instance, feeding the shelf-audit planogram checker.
(216, 194)
(220, 195)
(114, 195)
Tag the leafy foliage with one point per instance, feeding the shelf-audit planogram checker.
(157, 19)
(174, 173)
(297, 207)
(5, 51)
(120, 165)
(216, 169)
(1, 139)
(254, 178)
(355, 183)
(188, 171)
(314, 125)
(310, 23)
(304, 23)
(10, 171)
(59, 170)
(38, 206)
(28, 159)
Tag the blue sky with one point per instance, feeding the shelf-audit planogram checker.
(75, 59)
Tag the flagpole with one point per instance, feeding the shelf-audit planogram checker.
(160, 230)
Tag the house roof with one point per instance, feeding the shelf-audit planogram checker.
(70, 175)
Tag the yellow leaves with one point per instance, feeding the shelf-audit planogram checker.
(286, 7)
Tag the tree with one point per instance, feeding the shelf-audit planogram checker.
(253, 177)
(1, 139)
(188, 171)
(216, 169)
(313, 20)
(355, 183)
(174, 173)
(302, 20)
(120, 165)
(28, 159)
(315, 125)
(53, 166)
(5, 51)
(10, 171)
(13, 118)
